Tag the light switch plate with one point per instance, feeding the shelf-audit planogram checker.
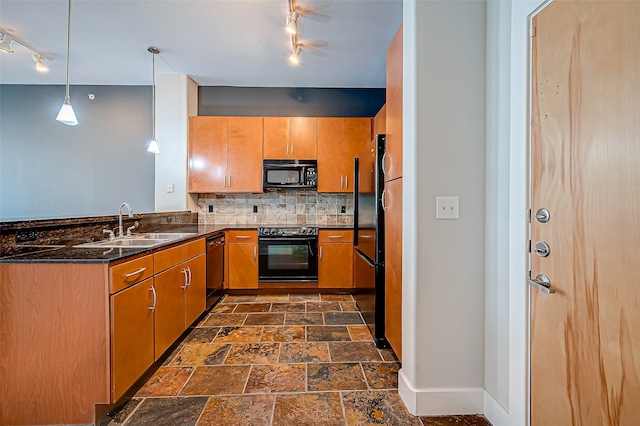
(169, 187)
(447, 208)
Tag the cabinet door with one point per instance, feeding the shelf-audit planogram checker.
(131, 336)
(380, 121)
(393, 164)
(393, 264)
(276, 138)
(195, 296)
(243, 265)
(357, 134)
(335, 265)
(304, 138)
(169, 313)
(330, 161)
(244, 154)
(207, 154)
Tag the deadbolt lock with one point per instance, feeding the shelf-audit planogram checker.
(542, 249)
(543, 215)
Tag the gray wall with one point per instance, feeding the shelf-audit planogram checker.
(50, 170)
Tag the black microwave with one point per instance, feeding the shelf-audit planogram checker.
(289, 174)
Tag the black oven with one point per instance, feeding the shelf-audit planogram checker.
(287, 254)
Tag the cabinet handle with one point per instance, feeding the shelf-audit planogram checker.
(243, 237)
(335, 236)
(254, 253)
(346, 181)
(321, 251)
(155, 298)
(229, 181)
(291, 148)
(190, 276)
(287, 149)
(383, 198)
(341, 180)
(186, 279)
(139, 271)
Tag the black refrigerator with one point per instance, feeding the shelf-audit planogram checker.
(368, 242)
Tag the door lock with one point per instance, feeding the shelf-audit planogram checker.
(542, 249)
(543, 215)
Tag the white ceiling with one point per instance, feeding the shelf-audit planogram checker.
(216, 42)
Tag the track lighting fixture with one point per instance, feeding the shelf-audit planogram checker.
(292, 22)
(153, 145)
(6, 40)
(66, 114)
(295, 55)
(5, 43)
(40, 65)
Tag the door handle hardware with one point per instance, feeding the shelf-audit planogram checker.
(542, 283)
(291, 148)
(346, 181)
(543, 215)
(383, 198)
(542, 249)
(155, 298)
(189, 276)
(139, 271)
(335, 236)
(254, 253)
(229, 181)
(341, 180)
(287, 148)
(384, 160)
(321, 252)
(243, 237)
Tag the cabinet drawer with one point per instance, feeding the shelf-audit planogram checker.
(242, 236)
(194, 248)
(128, 273)
(335, 236)
(167, 258)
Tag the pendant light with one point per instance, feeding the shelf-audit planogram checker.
(153, 145)
(66, 114)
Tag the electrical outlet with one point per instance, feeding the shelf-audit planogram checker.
(210, 208)
(25, 235)
(255, 209)
(343, 209)
(447, 208)
(169, 187)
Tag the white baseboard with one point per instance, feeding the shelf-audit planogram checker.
(440, 401)
(494, 412)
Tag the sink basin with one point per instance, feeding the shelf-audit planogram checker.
(125, 242)
(147, 239)
(161, 235)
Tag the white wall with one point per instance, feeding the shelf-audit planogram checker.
(443, 270)
(176, 99)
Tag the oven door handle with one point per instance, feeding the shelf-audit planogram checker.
(279, 239)
(309, 247)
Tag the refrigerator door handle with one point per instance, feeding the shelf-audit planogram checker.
(383, 199)
(366, 259)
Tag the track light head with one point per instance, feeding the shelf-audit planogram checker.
(40, 65)
(295, 55)
(292, 22)
(5, 43)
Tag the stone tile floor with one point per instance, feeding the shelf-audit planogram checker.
(281, 360)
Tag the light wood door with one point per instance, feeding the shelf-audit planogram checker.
(207, 154)
(330, 142)
(393, 264)
(393, 163)
(195, 296)
(169, 313)
(244, 154)
(243, 265)
(131, 336)
(304, 138)
(335, 259)
(276, 138)
(585, 337)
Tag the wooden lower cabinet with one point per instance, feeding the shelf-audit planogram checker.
(169, 313)
(196, 293)
(243, 265)
(393, 265)
(131, 335)
(335, 259)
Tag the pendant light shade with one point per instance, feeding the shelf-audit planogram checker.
(153, 145)
(66, 114)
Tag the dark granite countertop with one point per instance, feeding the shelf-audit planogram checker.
(71, 254)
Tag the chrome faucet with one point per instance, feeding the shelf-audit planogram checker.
(119, 229)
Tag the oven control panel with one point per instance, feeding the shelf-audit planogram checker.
(287, 232)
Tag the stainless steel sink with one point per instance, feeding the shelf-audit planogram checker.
(147, 239)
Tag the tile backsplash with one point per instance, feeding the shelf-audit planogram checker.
(276, 208)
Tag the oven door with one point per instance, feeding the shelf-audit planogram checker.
(287, 259)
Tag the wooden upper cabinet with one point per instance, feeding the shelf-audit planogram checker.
(339, 141)
(393, 161)
(290, 138)
(207, 154)
(304, 138)
(380, 121)
(244, 154)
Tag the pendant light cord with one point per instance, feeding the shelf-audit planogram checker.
(67, 99)
(153, 94)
